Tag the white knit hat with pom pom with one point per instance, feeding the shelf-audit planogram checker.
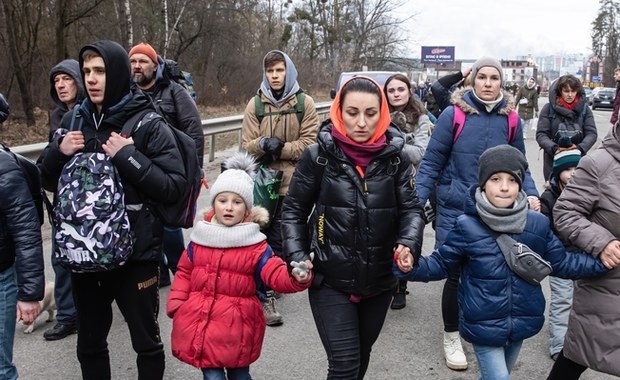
(238, 178)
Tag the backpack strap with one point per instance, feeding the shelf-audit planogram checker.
(137, 120)
(76, 118)
(190, 251)
(458, 121)
(261, 289)
(299, 109)
(513, 125)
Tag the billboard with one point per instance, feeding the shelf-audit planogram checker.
(437, 54)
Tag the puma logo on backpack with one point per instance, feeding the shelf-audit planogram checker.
(91, 226)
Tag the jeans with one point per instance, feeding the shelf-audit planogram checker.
(347, 329)
(134, 288)
(231, 374)
(8, 310)
(174, 245)
(559, 310)
(63, 295)
(495, 363)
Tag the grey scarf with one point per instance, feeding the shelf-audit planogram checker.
(503, 220)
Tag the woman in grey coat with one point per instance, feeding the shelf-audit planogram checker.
(587, 215)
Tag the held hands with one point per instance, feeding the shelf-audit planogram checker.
(302, 271)
(403, 258)
(71, 143)
(610, 256)
(27, 311)
(561, 149)
(115, 143)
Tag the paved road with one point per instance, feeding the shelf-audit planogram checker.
(410, 346)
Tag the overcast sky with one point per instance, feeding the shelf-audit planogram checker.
(503, 29)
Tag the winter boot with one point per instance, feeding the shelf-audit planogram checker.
(453, 349)
(271, 314)
(399, 301)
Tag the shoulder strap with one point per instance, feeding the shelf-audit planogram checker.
(137, 120)
(259, 108)
(583, 113)
(513, 125)
(190, 252)
(75, 116)
(300, 106)
(458, 121)
(261, 289)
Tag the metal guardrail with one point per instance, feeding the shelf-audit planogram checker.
(211, 128)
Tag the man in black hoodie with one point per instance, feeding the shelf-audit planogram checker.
(66, 90)
(150, 168)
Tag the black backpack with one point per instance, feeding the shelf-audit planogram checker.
(184, 78)
(182, 212)
(32, 176)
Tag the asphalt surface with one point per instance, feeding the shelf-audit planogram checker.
(409, 347)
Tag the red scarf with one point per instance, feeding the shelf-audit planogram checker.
(359, 154)
(566, 105)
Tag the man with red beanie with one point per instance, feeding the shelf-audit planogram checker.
(171, 101)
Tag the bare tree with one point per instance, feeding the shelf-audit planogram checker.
(606, 37)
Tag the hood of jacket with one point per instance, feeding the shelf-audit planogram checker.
(70, 67)
(611, 142)
(465, 100)
(291, 86)
(117, 71)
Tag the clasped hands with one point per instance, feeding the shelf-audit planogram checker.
(302, 271)
(403, 258)
(610, 255)
(74, 141)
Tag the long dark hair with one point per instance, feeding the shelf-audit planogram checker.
(414, 108)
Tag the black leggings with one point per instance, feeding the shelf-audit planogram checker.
(347, 329)
(565, 369)
(450, 304)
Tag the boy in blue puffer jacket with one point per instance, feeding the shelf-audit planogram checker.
(498, 309)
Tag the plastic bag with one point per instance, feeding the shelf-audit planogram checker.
(267, 184)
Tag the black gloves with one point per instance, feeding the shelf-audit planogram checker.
(272, 146)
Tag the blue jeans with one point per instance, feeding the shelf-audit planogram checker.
(8, 309)
(231, 373)
(495, 363)
(347, 329)
(559, 310)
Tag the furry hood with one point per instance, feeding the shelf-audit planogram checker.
(258, 215)
(463, 97)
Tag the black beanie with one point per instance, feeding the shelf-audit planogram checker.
(502, 158)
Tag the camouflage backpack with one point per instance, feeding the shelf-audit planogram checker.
(91, 225)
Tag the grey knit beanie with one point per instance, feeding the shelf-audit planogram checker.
(502, 158)
(486, 61)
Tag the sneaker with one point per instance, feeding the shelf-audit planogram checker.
(59, 331)
(271, 314)
(453, 349)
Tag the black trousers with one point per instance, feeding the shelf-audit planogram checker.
(347, 329)
(450, 304)
(135, 290)
(565, 369)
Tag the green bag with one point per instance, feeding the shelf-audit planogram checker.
(267, 184)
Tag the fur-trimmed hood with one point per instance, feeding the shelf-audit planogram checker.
(463, 97)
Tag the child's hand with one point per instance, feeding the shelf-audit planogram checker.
(610, 255)
(403, 258)
(534, 203)
(301, 271)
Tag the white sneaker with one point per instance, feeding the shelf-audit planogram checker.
(453, 349)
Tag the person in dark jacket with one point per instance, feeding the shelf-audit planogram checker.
(66, 91)
(443, 87)
(356, 184)
(150, 168)
(498, 308)
(449, 168)
(564, 164)
(175, 104)
(21, 255)
(566, 122)
(527, 101)
(614, 114)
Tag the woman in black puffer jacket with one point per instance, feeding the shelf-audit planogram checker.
(358, 185)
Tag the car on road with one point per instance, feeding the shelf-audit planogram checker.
(603, 97)
(379, 76)
(588, 92)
